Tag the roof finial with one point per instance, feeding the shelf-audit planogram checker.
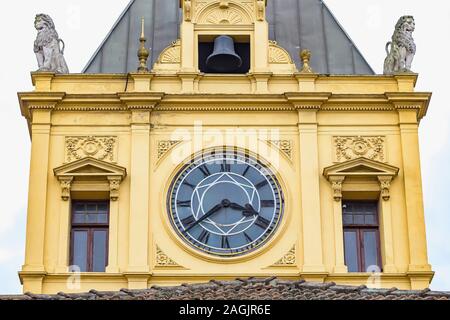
(305, 56)
(143, 53)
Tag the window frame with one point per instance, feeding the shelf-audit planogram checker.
(90, 228)
(360, 230)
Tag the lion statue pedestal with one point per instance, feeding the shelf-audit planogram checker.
(49, 54)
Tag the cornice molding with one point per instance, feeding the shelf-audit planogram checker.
(418, 101)
(307, 100)
(140, 100)
(38, 101)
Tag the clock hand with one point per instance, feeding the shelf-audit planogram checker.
(236, 206)
(206, 216)
(249, 211)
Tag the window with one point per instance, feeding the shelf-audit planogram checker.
(89, 244)
(361, 236)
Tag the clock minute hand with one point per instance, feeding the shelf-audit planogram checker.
(249, 211)
(206, 216)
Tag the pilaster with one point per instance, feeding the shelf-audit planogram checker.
(413, 190)
(336, 182)
(140, 107)
(307, 107)
(37, 108)
(387, 237)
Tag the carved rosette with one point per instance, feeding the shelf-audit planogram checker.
(165, 146)
(66, 183)
(289, 259)
(163, 260)
(349, 148)
(385, 186)
(101, 148)
(284, 146)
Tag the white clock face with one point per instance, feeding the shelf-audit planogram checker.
(225, 203)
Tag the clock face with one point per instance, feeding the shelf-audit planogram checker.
(225, 203)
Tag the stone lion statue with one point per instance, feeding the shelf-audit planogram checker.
(400, 56)
(49, 54)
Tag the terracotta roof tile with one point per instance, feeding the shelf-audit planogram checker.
(247, 289)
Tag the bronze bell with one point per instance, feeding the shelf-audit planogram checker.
(224, 58)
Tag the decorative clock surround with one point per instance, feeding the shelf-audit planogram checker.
(225, 203)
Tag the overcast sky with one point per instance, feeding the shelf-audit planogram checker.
(83, 24)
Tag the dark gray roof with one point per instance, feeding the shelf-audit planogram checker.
(294, 24)
(248, 289)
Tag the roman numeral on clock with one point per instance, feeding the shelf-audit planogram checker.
(204, 170)
(245, 171)
(249, 239)
(261, 184)
(225, 242)
(187, 222)
(225, 167)
(204, 237)
(189, 184)
(262, 222)
(186, 204)
(267, 203)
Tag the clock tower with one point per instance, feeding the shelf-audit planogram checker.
(247, 138)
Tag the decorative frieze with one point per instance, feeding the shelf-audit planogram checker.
(352, 147)
(98, 147)
(289, 259)
(163, 260)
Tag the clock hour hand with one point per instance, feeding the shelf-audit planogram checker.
(236, 206)
(206, 216)
(249, 211)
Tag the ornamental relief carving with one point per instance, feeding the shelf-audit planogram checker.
(352, 147)
(277, 54)
(165, 146)
(289, 259)
(224, 12)
(98, 147)
(163, 260)
(285, 146)
(172, 54)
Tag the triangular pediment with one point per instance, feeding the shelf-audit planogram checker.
(89, 166)
(361, 167)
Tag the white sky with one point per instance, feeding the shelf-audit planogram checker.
(83, 25)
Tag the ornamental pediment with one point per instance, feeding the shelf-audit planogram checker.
(90, 166)
(361, 167)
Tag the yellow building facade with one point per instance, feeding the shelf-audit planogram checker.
(126, 138)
